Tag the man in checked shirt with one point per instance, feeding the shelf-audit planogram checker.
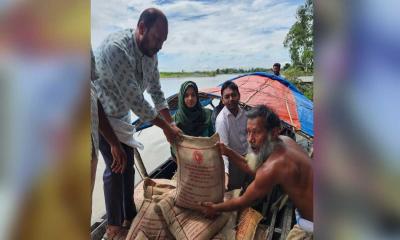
(127, 66)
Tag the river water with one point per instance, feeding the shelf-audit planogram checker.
(156, 147)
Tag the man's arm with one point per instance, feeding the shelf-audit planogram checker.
(118, 153)
(157, 95)
(117, 68)
(171, 132)
(237, 159)
(166, 115)
(130, 89)
(221, 129)
(262, 185)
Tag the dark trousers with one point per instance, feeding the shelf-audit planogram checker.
(118, 188)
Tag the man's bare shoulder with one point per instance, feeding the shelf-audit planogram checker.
(296, 158)
(283, 161)
(292, 145)
(273, 166)
(287, 140)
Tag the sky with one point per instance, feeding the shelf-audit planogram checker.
(207, 34)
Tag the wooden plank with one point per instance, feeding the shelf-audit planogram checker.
(266, 205)
(272, 226)
(98, 233)
(287, 220)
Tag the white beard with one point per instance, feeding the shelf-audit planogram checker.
(255, 160)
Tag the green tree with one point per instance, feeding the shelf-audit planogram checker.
(286, 66)
(300, 40)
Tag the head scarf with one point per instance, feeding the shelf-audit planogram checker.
(192, 121)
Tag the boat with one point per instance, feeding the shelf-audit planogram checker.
(296, 113)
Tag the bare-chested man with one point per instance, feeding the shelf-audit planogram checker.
(279, 161)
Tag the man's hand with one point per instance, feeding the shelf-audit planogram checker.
(222, 148)
(173, 134)
(207, 208)
(117, 152)
(171, 131)
(119, 158)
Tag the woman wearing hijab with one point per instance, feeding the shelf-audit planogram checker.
(191, 117)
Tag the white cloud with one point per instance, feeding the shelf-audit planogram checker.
(206, 36)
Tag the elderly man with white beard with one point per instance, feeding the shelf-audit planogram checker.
(278, 161)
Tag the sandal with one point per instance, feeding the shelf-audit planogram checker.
(115, 235)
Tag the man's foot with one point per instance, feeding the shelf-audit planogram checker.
(115, 233)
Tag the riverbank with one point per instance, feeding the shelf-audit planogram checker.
(212, 73)
(186, 74)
